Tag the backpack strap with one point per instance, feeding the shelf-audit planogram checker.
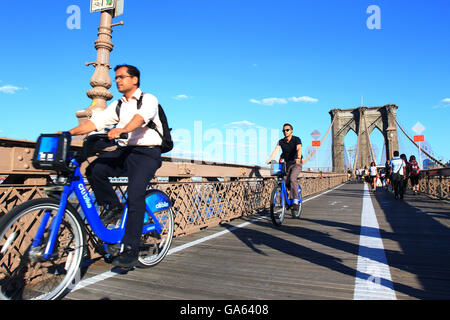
(150, 124)
(119, 104)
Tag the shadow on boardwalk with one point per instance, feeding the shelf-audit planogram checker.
(420, 227)
(425, 245)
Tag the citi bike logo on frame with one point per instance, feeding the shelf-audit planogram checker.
(85, 195)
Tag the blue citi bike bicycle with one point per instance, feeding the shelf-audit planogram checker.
(279, 201)
(43, 241)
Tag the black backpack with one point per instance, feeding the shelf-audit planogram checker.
(167, 143)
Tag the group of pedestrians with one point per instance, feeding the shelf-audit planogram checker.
(398, 171)
(368, 175)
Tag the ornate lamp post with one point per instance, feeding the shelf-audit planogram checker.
(101, 81)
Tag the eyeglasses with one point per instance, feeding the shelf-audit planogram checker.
(286, 130)
(121, 77)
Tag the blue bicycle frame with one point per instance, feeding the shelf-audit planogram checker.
(156, 201)
(284, 195)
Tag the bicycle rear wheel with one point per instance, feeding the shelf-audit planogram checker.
(277, 206)
(24, 272)
(154, 245)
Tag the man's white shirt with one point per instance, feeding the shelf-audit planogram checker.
(397, 165)
(143, 136)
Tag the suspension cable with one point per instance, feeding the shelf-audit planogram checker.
(420, 149)
(326, 135)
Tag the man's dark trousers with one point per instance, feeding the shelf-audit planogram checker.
(139, 164)
(397, 183)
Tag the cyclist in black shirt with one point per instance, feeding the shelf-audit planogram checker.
(291, 147)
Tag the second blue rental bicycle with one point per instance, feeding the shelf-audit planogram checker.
(279, 200)
(43, 241)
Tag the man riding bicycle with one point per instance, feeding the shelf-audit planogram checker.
(137, 157)
(291, 147)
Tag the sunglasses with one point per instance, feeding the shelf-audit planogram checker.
(286, 130)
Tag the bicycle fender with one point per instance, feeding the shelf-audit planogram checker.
(157, 200)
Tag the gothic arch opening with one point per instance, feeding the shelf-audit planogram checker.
(363, 121)
(378, 143)
(350, 144)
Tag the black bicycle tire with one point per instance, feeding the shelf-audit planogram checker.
(166, 246)
(17, 212)
(272, 213)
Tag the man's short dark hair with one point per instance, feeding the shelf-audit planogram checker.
(396, 153)
(132, 71)
(288, 124)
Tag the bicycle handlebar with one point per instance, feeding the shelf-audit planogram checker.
(104, 136)
(91, 143)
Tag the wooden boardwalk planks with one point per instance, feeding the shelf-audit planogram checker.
(309, 258)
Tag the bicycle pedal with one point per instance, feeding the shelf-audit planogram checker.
(122, 270)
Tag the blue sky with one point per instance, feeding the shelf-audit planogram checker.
(234, 64)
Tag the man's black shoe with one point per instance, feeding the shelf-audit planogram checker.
(127, 259)
(112, 214)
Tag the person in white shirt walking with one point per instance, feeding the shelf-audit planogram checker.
(398, 172)
(373, 175)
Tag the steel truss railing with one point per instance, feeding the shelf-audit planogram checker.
(435, 183)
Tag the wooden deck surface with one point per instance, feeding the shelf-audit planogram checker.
(314, 257)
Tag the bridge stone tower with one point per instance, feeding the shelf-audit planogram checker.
(363, 121)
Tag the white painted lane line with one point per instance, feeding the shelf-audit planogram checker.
(373, 278)
(109, 274)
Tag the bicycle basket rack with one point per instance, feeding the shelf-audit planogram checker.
(52, 152)
(277, 169)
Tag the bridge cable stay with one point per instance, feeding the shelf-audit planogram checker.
(417, 146)
(321, 143)
(420, 149)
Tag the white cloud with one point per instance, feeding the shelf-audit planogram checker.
(269, 101)
(181, 97)
(272, 101)
(9, 89)
(444, 104)
(303, 99)
(240, 124)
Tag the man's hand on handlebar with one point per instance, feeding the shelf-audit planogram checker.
(117, 133)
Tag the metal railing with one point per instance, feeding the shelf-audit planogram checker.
(203, 194)
(435, 183)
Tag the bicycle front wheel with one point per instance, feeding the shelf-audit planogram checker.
(277, 206)
(298, 212)
(154, 245)
(25, 274)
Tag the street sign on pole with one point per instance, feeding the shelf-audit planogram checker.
(102, 5)
(315, 134)
(419, 138)
(119, 8)
(316, 144)
(418, 128)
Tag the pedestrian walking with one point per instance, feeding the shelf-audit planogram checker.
(414, 174)
(373, 174)
(397, 171)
